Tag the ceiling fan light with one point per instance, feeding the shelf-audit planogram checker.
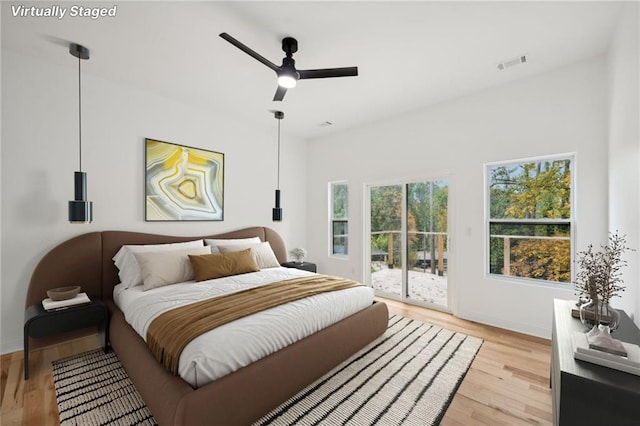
(287, 81)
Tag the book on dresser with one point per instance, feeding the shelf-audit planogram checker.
(52, 305)
(629, 364)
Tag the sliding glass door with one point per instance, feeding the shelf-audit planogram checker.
(408, 241)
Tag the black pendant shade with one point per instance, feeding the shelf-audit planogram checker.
(80, 210)
(277, 210)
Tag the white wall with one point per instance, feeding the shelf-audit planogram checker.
(624, 148)
(40, 154)
(558, 112)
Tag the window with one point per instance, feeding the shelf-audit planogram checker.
(339, 201)
(530, 218)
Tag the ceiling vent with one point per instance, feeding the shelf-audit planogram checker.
(512, 62)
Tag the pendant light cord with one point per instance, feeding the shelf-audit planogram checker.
(79, 115)
(278, 186)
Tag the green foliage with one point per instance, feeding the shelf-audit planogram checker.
(386, 208)
(340, 201)
(426, 212)
(386, 212)
(496, 255)
(531, 191)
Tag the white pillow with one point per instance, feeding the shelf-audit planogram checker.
(214, 243)
(262, 252)
(161, 268)
(128, 268)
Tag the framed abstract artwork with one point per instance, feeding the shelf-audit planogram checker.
(182, 183)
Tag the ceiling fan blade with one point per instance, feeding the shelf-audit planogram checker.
(329, 72)
(280, 91)
(249, 51)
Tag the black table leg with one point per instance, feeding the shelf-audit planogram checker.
(26, 353)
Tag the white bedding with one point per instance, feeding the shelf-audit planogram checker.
(237, 344)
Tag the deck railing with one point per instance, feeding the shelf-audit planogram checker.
(432, 254)
(508, 244)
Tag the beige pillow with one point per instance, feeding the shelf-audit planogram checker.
(262, 252)
(128, 268)
(162, 268)
(210, 266)
(214, 243)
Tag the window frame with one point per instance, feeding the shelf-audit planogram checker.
(334, 220)
(571, 222)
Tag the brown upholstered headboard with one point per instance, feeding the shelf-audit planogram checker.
(86, 260)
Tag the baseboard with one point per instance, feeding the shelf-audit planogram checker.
(524, 328)
(10, 347)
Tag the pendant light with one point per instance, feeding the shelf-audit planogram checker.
(80, 210)
(277, 210)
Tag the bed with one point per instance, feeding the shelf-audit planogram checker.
(236, 398)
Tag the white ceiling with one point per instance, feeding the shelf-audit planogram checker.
(410, 54)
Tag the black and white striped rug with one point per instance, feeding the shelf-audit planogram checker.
(408, 376)
(93, 389)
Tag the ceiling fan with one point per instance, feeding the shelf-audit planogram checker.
(287, 73)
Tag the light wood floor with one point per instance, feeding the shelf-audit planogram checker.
(507, 384)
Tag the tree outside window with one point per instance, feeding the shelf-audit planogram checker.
(426, 217)
(530, 218)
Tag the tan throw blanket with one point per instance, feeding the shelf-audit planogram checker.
(170, 332)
